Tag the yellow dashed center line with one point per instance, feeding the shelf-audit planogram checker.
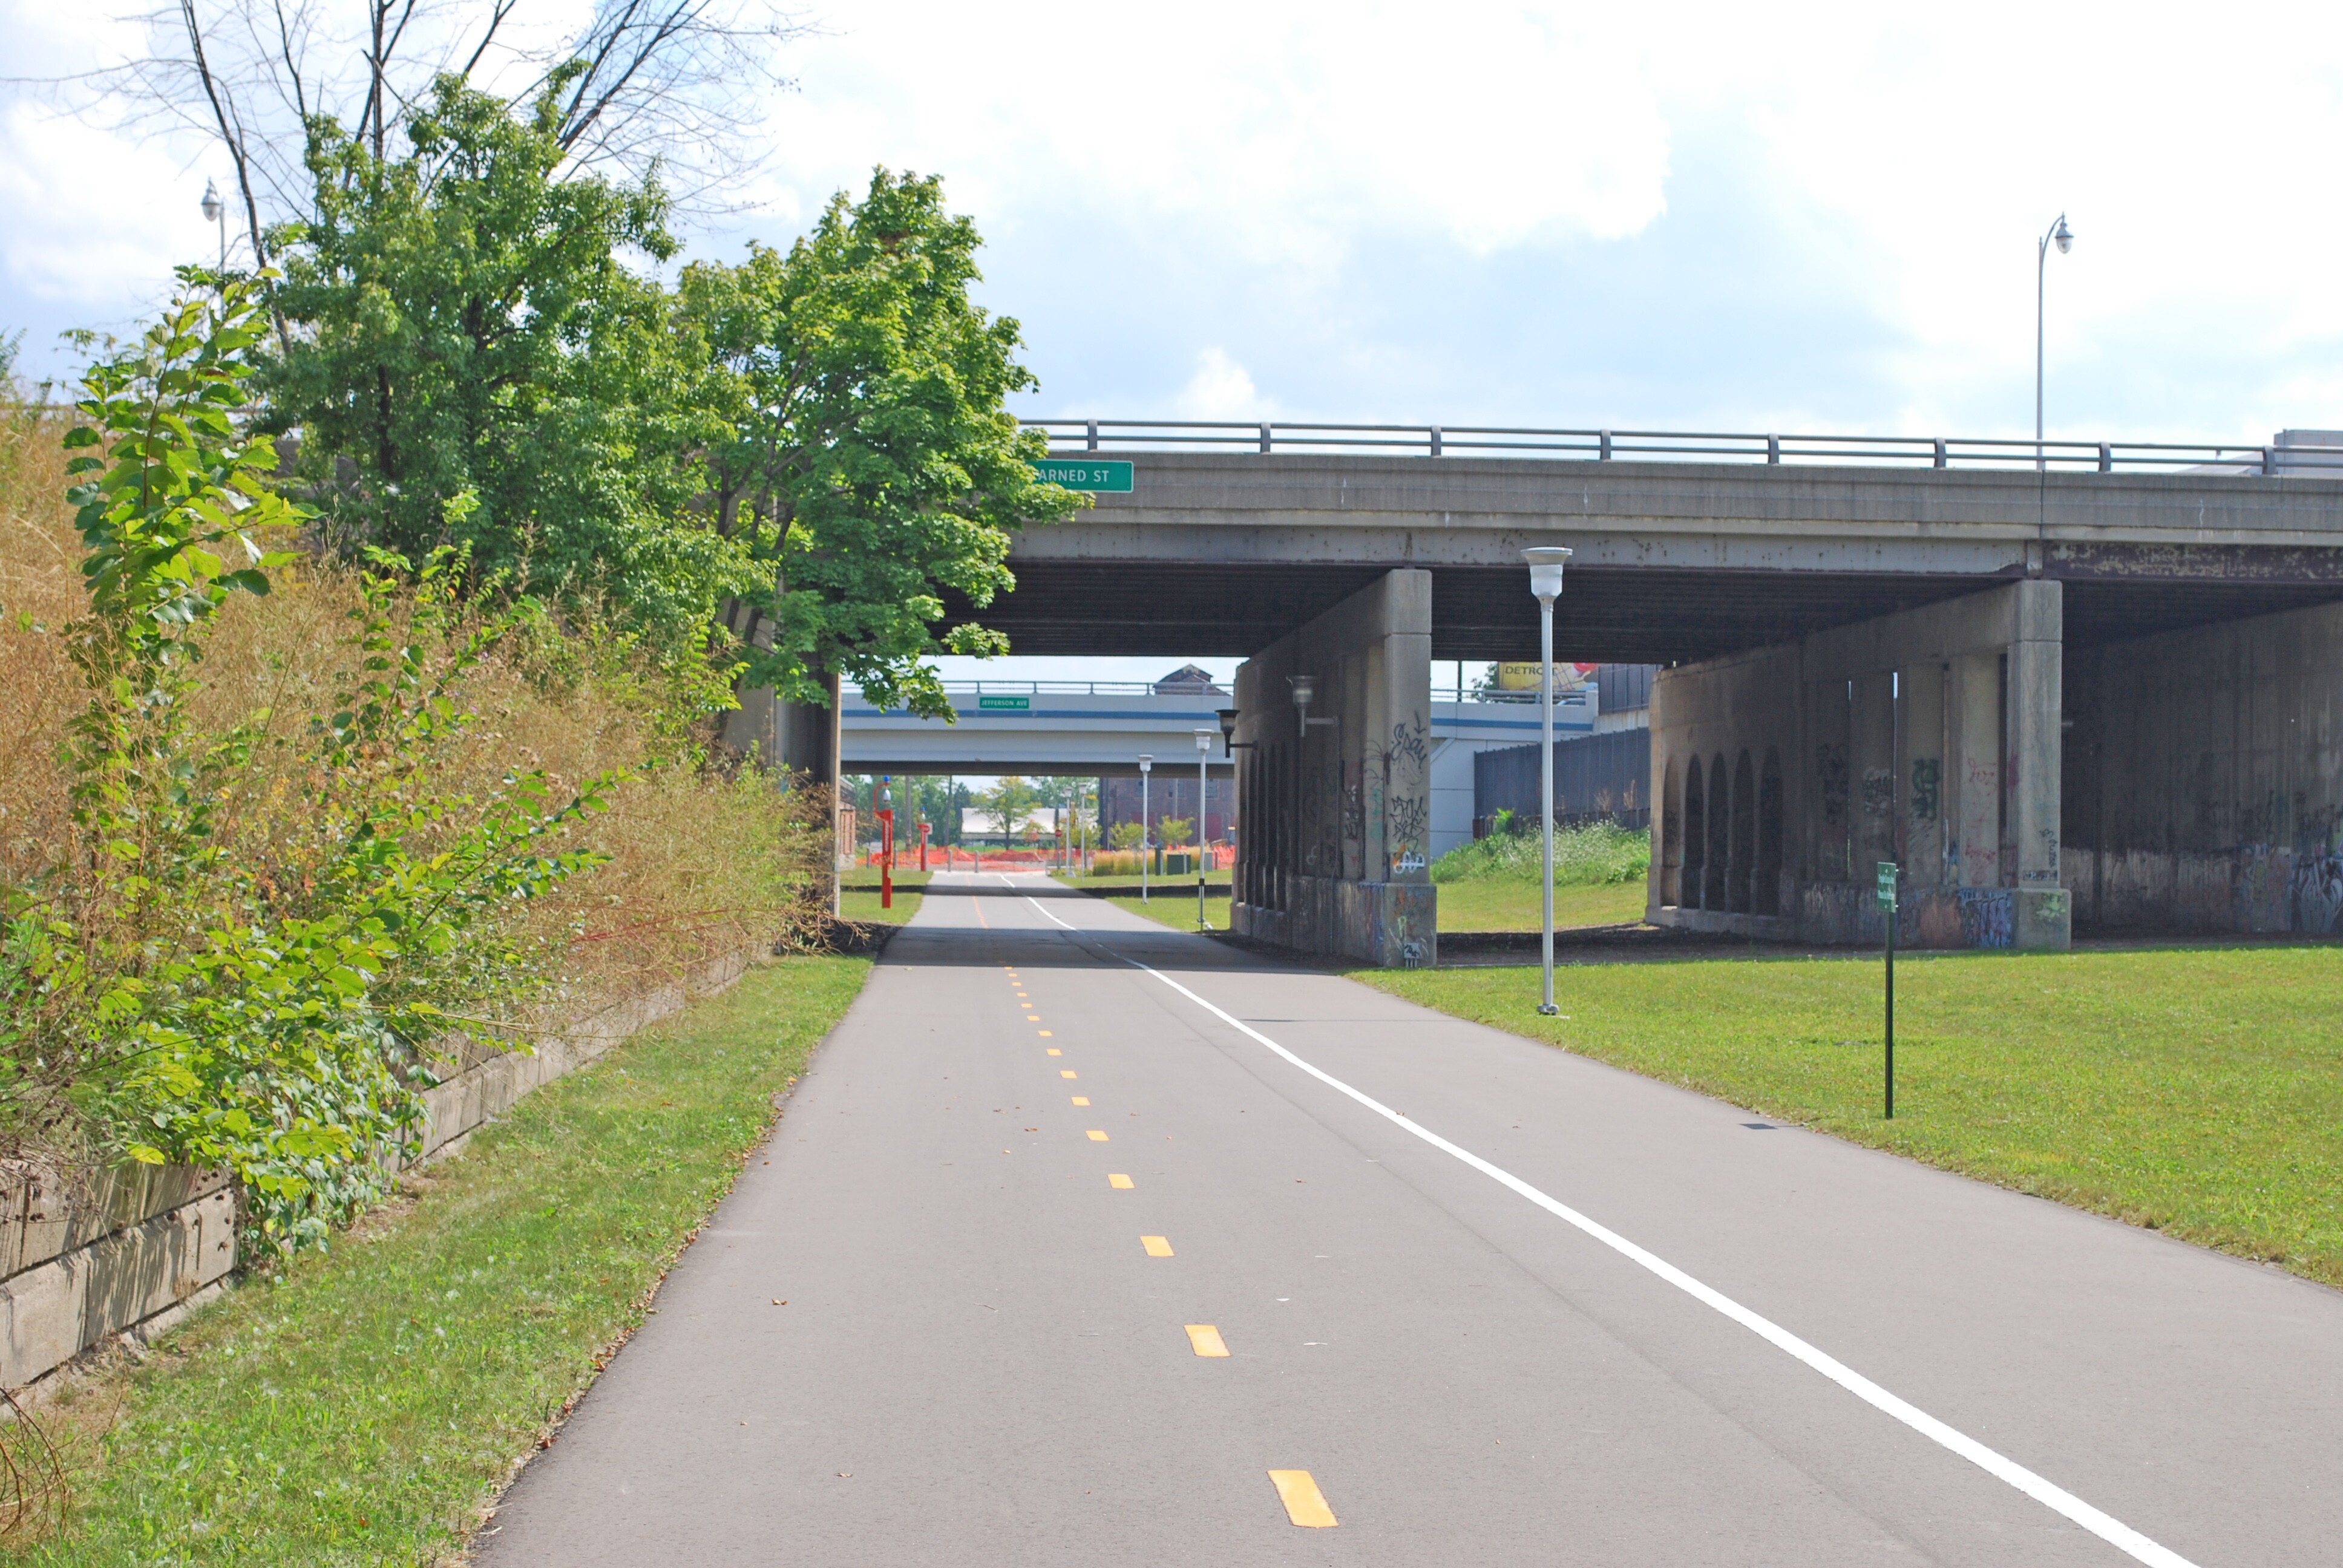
(1205, 1339)
(1119, 1181)
(1068, 1072)
(1156, 1247)
(1055, 1052)
(1096, 1136)
(1045, 1034)
(1081, 1100)
(1304, 1504)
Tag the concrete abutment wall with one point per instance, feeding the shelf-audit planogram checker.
(2204, 779)
(1930, 738)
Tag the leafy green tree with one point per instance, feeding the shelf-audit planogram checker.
(465, 327)
(1174, 829)
(1008, 800)
(872, 469)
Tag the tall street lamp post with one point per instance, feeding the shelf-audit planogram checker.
(1145, 764)
(1545, 582)
(2061, 235)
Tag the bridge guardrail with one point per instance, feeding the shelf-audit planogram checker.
(1567, 698)
(2277, 461)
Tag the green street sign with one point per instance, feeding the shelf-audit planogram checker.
(1004, 704)
(1886, 884)
(1084, 475)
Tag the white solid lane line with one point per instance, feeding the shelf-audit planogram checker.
(2057, 1499)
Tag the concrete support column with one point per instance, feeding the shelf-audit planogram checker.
(1354, 876)
(1830, 803)
(1402, 739)
(1920, 737)
(2036, 677)
(1973, 846)
(1873, 773)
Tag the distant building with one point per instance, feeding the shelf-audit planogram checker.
(1172, 792)
(1188, 681)
(976, 822)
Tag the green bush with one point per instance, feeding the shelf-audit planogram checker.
(1591, 855)
(288, 843)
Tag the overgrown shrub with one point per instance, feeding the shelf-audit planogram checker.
(270, 862)
(1592, 854)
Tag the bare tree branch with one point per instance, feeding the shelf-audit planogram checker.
(678, 86)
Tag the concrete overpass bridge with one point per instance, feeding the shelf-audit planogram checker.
(2101, 690)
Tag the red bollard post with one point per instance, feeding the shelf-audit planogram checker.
(887, 859)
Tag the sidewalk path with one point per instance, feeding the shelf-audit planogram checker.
(982, 1362)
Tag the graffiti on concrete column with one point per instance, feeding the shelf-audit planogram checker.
(1878, 792)
(1831, 777)
(1988, 916)
(1410, 743)
(1927, 787)
(2315, 892)
(1406, 815)
(1406, 819)
(2046, 841)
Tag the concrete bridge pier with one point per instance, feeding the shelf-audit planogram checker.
(1333, 844)
(1930, 738)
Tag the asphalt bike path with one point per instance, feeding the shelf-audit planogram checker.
(1479, 1301)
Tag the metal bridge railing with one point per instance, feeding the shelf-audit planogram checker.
(1069, 689)
(1680, 445)
(1567, 698)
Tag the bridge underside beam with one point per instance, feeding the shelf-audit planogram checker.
(1607, 614)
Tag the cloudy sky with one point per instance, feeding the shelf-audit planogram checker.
(1740, 218)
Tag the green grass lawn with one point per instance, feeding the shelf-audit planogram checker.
(861, 905)
(1174, 906)
(1155, 883)
(858, 897)
(363, 1407)
(2199, 1091)
(1463, 906)
(1508, 905)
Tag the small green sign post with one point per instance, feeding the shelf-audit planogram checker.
(1085, 474)
(1888, 903)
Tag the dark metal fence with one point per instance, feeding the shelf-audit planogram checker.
(2282, 459)
(1594, 777)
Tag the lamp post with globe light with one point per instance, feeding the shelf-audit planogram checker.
(2063, 238)
(1146, 766)
(1545, 583)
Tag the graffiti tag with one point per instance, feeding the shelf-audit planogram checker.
(1927, 781)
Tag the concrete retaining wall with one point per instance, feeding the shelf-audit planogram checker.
(2204, 777)
(1929, 738)
(132, 1247)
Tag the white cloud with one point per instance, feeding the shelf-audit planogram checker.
(1245, 173)
(1279, 130)
(1221, 389)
